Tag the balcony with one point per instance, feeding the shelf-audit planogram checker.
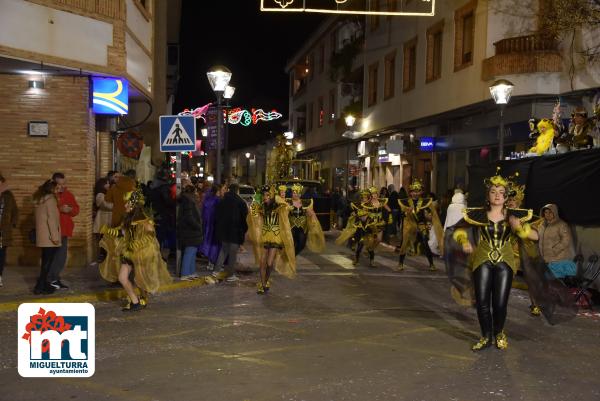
(523, 55)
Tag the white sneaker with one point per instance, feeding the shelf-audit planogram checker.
(232, 279)
(210, 267)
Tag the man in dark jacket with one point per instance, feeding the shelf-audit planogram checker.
(231, 229)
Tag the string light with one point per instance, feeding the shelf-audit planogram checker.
(245, 117)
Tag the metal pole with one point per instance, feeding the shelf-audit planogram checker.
(501, 144)
(248, 171)
(227, 166)
(178, 192)
(219, 121)
(347, 183)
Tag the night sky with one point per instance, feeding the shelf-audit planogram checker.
(254, 45)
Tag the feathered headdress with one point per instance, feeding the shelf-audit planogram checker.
(416, 185)
(517, 192)
(266, 188)
(297, 189)
(496, 180)
(373, 191)
(365, 193)
(282, 188)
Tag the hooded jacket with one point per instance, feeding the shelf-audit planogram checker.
(455, 209)
(555, 241)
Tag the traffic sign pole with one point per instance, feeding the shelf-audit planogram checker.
(178, 192)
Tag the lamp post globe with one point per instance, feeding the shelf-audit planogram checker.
(501, 90)
(218, 78)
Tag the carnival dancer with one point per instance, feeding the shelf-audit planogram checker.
(375, 208)
(133, 246)
(415, 229)
(306, 229)
(492, 258)
(270, 233)
(356, 226)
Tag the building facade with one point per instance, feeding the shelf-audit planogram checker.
(422, 83)
(49, 52)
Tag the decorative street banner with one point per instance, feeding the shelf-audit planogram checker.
(373, 7)
(211, 126)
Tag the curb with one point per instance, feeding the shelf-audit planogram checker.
(101, 296)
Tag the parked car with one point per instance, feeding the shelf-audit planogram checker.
(247, 193)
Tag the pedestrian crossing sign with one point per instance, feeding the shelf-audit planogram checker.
(177, 134)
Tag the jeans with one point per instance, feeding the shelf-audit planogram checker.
(59, 262)
(188, 263)
(48, 257)
(228, 252)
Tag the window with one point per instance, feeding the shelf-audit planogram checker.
(331, 105)
(434, 51)
(389, 76)
(464, 21)
(409, 71)
(309, 116)
(321, 111)
(321, 58)
(374, 19)
(372, 99)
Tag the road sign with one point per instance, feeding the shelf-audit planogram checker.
(177, 133)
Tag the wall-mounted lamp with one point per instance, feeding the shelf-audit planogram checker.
(36, 84)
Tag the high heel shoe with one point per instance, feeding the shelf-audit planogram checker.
(483, 343)
(501, 341)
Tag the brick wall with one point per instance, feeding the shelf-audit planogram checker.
(26, 161)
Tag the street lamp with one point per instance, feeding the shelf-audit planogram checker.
(350, 134)
(248, 154)
(501, 91)
(218, 78)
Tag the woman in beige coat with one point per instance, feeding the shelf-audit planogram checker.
(47, 231)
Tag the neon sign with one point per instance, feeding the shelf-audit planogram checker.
(427, 144)
(245, 117)
(110, 96)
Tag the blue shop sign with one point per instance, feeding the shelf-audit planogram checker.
(110, 96)
(427, 144)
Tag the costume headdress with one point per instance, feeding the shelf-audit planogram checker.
(416, 185)
(373, 191)
(365, 193)
(579, 111)
(496, 180)
(282, 188)
(266, 188)
(297, 189)
(135, 197)
(517, 192)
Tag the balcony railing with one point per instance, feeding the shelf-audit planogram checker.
(528, 43)
(113, 9)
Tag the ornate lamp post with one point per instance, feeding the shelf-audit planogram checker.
(218, 78)
(501, 91)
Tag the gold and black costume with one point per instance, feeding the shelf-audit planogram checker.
(487, 273)
(306, 229)
(419, 214)
(134, 244)
(269, 227)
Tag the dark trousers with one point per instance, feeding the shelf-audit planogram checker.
(60, 260)
(299, 237)
(492, 288)
(2, 259)
(422, 239)
(48, 257)
(228, 253)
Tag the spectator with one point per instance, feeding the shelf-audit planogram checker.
(393, 204)
(189, 231)
(116, 193)
(556, 243)
(210, 245)
(455, 209)
(9, 215)
(164, 206)
(103, 208)
(47, 232)
(110, 176)
(231, 214)
(68, 207)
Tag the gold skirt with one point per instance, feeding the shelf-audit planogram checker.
(270, 240)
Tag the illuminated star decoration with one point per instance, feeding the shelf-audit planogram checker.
(285, 3)
(197, 113)
(245, 117)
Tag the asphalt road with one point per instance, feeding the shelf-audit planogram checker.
(334, 333)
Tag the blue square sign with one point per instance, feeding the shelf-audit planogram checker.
(177, 133)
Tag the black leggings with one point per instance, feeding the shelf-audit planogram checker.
(299, 237)
(492, 282)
